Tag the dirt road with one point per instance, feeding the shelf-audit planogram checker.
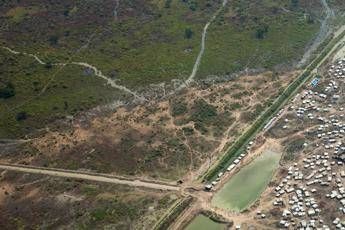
(88, 176)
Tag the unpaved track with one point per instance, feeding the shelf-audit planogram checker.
(324, 31)
(111, 82)
(202, 49)
(117, 5)
(88, 176)
(96, 71)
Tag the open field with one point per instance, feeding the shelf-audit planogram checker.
(234, 44)
(72, 90)
(125, 47)
(135, 44)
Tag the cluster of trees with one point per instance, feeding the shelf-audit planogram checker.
(192, 4)
(53, 40)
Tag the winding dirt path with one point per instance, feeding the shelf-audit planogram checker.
(117, 5)
(96, 71)
(111, 82)
(190, 79)
(323, 33)
(106, 178)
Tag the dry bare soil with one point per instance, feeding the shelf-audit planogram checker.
(162, 140)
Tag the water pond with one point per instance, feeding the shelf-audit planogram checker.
(202, 222)
(247, 185)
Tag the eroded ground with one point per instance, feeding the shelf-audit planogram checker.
(162, 140)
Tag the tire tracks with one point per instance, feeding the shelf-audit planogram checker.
(105, 178)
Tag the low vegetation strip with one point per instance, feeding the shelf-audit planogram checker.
(89, 176)
(239, 145)
(173, 213)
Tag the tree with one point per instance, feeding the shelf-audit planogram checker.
(48, 65)
(193, 5)
(310, 19)
(7, 91)
(294, 3)
(21, 116)
(188, 33)
(261, 31)
(53, 40)
(167, 4)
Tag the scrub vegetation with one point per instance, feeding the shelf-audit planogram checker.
(259, 34)
(33, 201)
(164, 140)
(136, 43)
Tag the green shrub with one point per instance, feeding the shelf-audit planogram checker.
(188, 33)
(203, 112)
(178, 108)
(261, 31)
(21, 116)
(167, 3)
(295, 146)
(188, 131)
(7, 91)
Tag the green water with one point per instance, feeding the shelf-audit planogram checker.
(248, 184)
(202, 222)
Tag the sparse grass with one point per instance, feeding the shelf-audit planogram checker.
(178, 108)
(18, 14)
(63, 203)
